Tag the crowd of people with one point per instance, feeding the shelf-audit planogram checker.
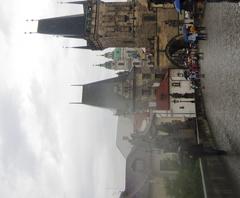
(192, 35)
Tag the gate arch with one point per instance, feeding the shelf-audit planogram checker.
(176, 51)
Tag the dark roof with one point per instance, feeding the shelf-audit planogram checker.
(103, 94)
(124, 129)
(137, 182)
(76, 2)
(69, 26)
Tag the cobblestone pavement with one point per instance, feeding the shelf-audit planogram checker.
(221, 66)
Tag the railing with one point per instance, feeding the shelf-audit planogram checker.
(217, 180)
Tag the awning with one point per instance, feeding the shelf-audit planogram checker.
(162, 94)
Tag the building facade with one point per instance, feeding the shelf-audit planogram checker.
(154, 160)
(120, 24)
(125, 59)
(106, 24)
(180, 96)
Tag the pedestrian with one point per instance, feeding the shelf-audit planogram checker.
(186, 74)
(194, 67)
(199, 150)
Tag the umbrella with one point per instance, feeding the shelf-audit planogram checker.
(185, 33)
(177, 4)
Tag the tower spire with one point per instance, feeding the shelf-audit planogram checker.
(79, 47)
(75, 103)
(30, 32)
(32, 20)
(68, 26)
(77, 85)
(72, 2)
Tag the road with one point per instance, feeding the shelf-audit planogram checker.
(221, 66)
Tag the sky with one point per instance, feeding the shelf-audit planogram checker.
(49, 148)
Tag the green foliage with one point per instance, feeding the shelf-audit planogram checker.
(187, 184)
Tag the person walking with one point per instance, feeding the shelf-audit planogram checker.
(199, 150)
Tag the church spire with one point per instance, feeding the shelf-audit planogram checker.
(107, 65)
(79, 47)
(73, 2)
(105, 94)
(67, 26)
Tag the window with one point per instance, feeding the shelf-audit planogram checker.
(176, 84)
(136, 63)
(182, 107)
(149, 17)
(126, 18)
(146, 92)
(128, 42)
(168, 165)
(180, 74)
(159, 75)
(146, 76)
(120, 64)
(138, 165)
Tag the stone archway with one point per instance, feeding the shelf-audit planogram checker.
(176, 51)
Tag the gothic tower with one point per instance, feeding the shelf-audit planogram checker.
(114, 93)
(105, 24)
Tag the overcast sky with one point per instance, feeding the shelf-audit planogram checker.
(49, 148)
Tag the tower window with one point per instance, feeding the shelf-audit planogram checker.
(168, 165)
(126, 18)
(180, 74)
(149, 18)
(128, 42)
(176, 84)
(120, 64)
(138, 165)
(146, 76)
(136, 63)
(146, 92)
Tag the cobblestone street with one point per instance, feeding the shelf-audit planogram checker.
(221, 66)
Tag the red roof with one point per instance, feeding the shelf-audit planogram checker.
(162, 94)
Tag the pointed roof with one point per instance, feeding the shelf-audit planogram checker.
(107, 65)
(108, 55)
(124, 129)
(74, 2)
(136, 182)
(105, 94)
(68, 26)
(79, 47)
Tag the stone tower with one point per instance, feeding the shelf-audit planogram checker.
(105, 24)
(114, 93)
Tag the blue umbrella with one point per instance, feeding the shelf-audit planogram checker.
(185, 33)
(177, 4)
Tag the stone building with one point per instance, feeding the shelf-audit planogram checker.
(105, 24)
(115, 94)
(120, 24)
(125, 59)
(179, 98)
(151, 162)
(146, 173)
(166, 94)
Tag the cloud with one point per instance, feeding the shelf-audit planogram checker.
(48, 147)
(16, 154)
(16, 157)
(45, 120)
